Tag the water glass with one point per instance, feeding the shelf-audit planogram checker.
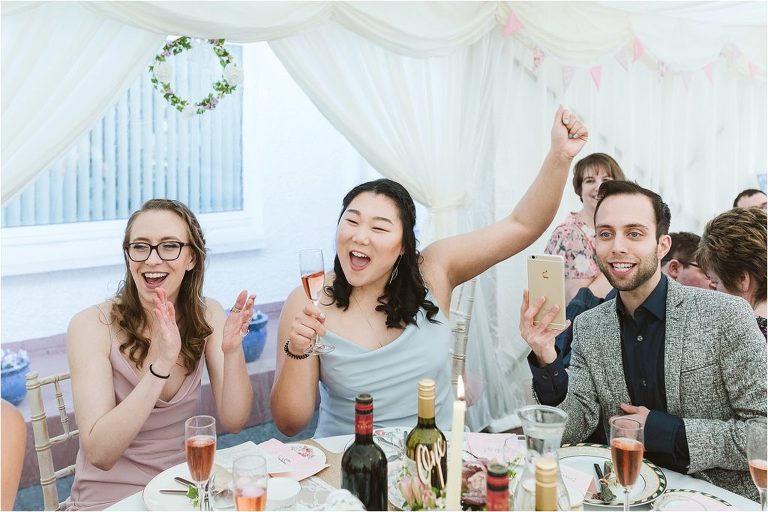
(249, 474)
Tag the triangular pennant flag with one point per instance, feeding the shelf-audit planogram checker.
(513, 24)
(709, 70)
(638, 49)
(662, 69)
(567, 77)
(623, 58)
(538, 56)
(752, 67)
(686, 76)
(597, 74)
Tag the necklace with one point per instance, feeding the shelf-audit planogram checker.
(359, 307)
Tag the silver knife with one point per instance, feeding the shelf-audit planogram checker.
(180, 492)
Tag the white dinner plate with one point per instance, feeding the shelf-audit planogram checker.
(308, 451)
(649, 486)
(153, 500)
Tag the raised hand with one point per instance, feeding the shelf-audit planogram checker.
(236, 325)
(308, 324)
(165, 333)
(568, 133)
(540, 337)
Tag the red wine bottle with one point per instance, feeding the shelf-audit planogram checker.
(363, 465)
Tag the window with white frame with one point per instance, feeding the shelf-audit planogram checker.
(141, 149)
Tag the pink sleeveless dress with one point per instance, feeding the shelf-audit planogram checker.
(158, 446)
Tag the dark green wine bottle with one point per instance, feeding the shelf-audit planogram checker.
(364, 465)
(425, 444)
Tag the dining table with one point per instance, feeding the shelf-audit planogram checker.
(316, 488)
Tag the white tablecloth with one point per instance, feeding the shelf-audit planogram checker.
(674, 481)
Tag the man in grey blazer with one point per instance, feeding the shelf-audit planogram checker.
(688, 364)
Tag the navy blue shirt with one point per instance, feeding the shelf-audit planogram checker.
(642, 353)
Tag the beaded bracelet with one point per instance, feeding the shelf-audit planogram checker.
(291, 354)
(157, 374)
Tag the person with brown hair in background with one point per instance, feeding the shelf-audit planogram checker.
(680, 262)
(574, 239)
(14, 442)
(732, 252)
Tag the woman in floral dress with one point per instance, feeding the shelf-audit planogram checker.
(574, 239)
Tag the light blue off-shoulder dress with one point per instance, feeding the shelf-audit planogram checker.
(390, 374)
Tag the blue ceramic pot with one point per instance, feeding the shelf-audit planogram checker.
(14, 383)
(254, 341)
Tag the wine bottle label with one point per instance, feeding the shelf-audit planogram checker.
(497, 488)
(364, 419)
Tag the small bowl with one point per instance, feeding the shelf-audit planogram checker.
(282, 493)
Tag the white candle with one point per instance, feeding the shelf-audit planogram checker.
(453, 485)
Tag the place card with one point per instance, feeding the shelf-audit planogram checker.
(578, 480)
(491, 446)
(297, 466)
(226, 456)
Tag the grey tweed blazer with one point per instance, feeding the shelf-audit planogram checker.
(714, 374)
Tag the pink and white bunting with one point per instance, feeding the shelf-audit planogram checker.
(709, 71)
(596, 72)
(622, 57)
(513, 24)
(568, 73)
(638, 49)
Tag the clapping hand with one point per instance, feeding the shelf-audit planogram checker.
(236, 325)
(568, 133)
(539, 337)
(165, 337)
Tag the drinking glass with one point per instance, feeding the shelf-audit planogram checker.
(756, 456)
(626, 453)
(313, 279)
(200, 441)
(249, 474)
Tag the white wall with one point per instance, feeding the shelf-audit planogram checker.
(304, 166)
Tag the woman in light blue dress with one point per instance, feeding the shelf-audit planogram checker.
(385, 304)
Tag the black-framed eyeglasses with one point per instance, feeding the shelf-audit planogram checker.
(167, 251)
(690, 263)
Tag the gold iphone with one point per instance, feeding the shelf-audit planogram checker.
(546, 277)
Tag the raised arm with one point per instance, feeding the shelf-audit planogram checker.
(294, 391)
(452, 261)
(225, 360)
(107, 428)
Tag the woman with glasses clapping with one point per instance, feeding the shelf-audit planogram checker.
(136, 359)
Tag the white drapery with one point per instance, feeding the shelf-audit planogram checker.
(60, 74)
(410, 108)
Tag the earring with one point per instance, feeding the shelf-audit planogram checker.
(397, 268)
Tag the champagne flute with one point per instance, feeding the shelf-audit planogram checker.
(249, 473)
(313, 279)
(200, 441)
(757, 457)
(626, 452)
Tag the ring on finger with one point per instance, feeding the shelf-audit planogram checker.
(236, 309)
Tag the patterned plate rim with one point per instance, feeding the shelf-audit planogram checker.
(696, 491)
(653, 467)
